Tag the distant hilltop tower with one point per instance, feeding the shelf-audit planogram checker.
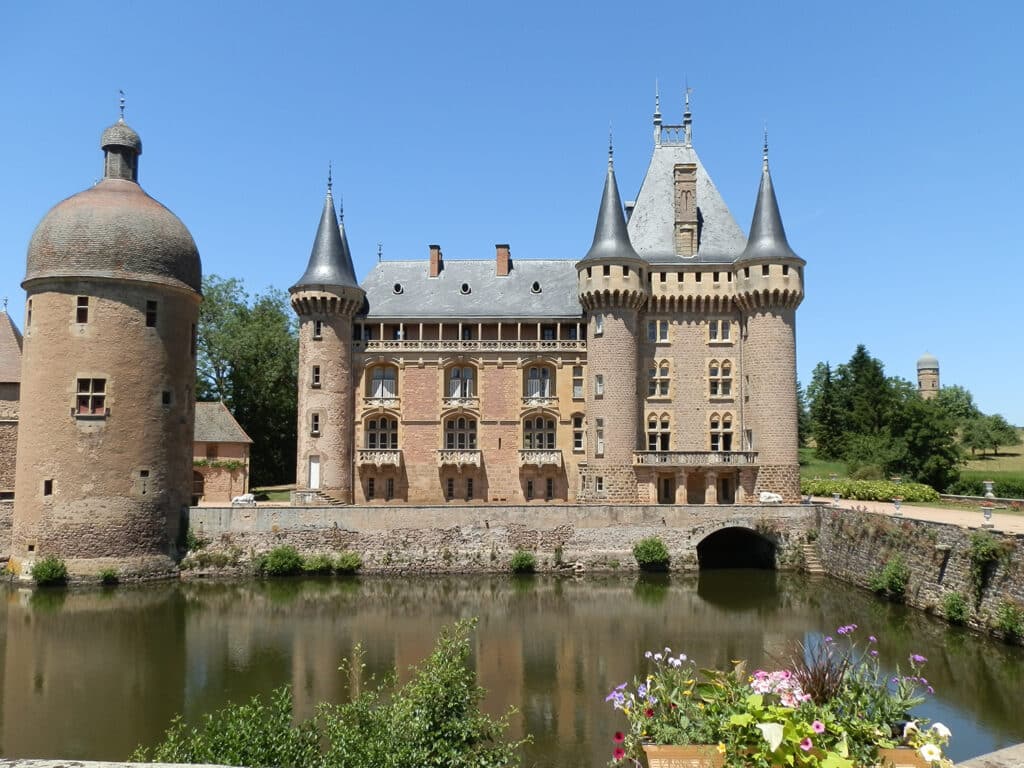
(326, 298)
(104, 467)
(928, 376)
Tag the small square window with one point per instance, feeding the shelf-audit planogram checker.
(318, 330)
(607, 270)
(47, 487)
(314, 425)
(599, 484)
(82, 310)
(765, 269)
(599, 325)
(91, 398)
(211, 452)
(315, 378)
(698, 276)
(599, 385)
(785, 269)
(151, 314)
(165, 397)
(714, 277)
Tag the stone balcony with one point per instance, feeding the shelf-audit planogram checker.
(473, 403)
(540, 401)
(381, 402)
(459, 458)
(468, 345)
(532, 457)
(694, 458)
(378, 457)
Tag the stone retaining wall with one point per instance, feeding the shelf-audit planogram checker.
(6, 522)
(472, 539)
(856, 545)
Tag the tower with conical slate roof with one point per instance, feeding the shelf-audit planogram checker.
(104, 470)
(612, 291)
(769, 288)
(326, 298)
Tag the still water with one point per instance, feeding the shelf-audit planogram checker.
(91, 675)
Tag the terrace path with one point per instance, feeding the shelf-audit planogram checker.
(1002, 521)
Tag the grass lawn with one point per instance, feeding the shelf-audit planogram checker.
(272, 494)
(812, 467)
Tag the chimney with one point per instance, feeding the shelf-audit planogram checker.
(504, 259)
(436, 262)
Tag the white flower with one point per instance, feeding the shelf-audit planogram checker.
(941, 731)
(657, 657)
(910, 728)
(648, 655)
(931, 753)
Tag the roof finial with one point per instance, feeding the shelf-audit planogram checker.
(121, 91)
(341, 209)
(5, 303)
(380, 250)
(330, 177)
(657, 99)
(687, 117)
(611, 149)
(765, 150)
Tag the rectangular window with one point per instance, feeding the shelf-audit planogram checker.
(599, 484)
(663, 276)
(82, 310)
(92, 397)
(549, 489)
(714, 277)
(28, 315)
(577, 382)
(47, 487)
(599, 385)
(765, 270)
(165, 397)
(577, 434)
(469, 488)
(785, 269)
(211, 452)
(371, 488)
(151, 314)
(318, 330)
(389, 489)
(726, 329)
(314, 424)
(547, 332)
(599, 437)
(607, 270)
(315, 379)
(746, 271)
(449, 488)
(599, 325)
(529, 490)
(713, 330)
(698, 276)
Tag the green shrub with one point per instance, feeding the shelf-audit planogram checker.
(954, 608)
(108, 576)
(966, 487)
(348, 563)
(280, 561)
(892, 580)
(212, 559)
(318, 564)
(867, 472)
(49, 571)
(1009, 488)
(523, 562)
(192, 542)
(1010, 619)
(433, 720)
(651, 554)
(986, 550)
(869, 490)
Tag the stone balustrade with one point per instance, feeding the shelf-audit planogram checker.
(540, 457)
(461, 402)
(468, 345)
(459, 458)
(377, 457)
(540, 401)
(381, 402)
(693, 458)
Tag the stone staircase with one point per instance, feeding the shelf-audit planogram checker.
(328, 499)
(812, 563)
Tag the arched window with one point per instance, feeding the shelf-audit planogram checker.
(659, 436)
(721, 432)
(381, 434)
(720, 378)
(657, 379)
(461, 381)
(383, 382)
(539, 433)
(460, 434)
(539, 381)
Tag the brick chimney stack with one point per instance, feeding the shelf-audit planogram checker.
(504, 259)
(436, 260)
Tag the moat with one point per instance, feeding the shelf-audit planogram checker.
(92, 674)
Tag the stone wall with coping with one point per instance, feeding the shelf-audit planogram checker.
(6, 520)
(856, 545)
(481, 539)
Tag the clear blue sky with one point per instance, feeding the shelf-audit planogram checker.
(895, 129)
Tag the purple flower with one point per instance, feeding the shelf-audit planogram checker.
(917, 658)
(829, 639)
(930, 689)
(872, 639)
(806, 744)
(818, 726)
(874, 653)
(842, 630)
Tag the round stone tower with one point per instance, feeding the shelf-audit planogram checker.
(928, 376)
(612, 290)
(104, 468)
(769, 285)
(326, 298)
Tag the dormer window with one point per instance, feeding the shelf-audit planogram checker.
(535, 288)
(398, 289)
(465, 288)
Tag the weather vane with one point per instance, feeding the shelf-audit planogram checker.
(121, 91)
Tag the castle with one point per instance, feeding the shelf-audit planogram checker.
(659, 368)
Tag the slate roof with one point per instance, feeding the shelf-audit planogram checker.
(442, 297)
(652, 222)
(767, 235)
(330, 262)
(215, 424)
(10, 350)
(610, 238)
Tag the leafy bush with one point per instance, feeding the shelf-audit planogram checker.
(966, 487)
(1006, 488)
(867, 472)
(318, 564)
(192, 542)
(212, 559)
(1010, 619)
(523, 562)
(280, 561)
(954, 607)
(985, 551)
(49, 571)
(108, 576)
(348, 563)
(892, 580)
(869, 490)
(433, 720)
(651, 554)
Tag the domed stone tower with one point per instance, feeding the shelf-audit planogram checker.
(104, 469)
(769, 288)
(612, 290)
(928, 376)
(326, 298)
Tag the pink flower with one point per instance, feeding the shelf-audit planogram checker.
(818, 726)
(806, 744)
(619, 737)
(648, 712)
(619, 753)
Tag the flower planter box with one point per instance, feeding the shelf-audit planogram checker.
(706, 756)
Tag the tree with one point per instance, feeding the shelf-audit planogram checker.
(958, 403)
(1001, 432)
(826, 417)
(975, 434)
(248, 357)
(867, 393)
(803, 416)
(926, 445)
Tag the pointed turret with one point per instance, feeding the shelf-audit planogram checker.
(330, 263)
(611, 241)
(767, 238)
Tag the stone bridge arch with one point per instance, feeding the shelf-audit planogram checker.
(736, 546)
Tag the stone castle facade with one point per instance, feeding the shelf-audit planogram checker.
(659, 368)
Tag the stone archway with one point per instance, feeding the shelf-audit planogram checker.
(736, 547)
